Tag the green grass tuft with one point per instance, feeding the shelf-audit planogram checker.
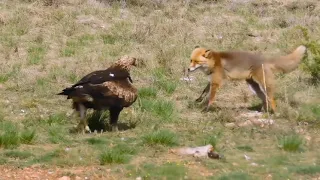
(147, 92)
(96, 141)
(54, 119)
(291, 143)
(246, 148)
(108, 39)
(234, 176)
(119, 154)
(18, 154)
(36, 55)
(9, 136)
(70, 49)
(3, 161)
(28, 136)
(164, 81)
(163, 137)
(49, 157)
(160, 108)
(57, 134)
(111, 156)
(213, 140)
(310, 169)
(4, 77)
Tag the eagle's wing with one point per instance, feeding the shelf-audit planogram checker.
(112, 82)
(120, 88)
(110, 74)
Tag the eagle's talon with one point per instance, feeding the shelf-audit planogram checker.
(87, 129)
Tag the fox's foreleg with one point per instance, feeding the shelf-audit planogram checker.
(204, 93)
(215, 83)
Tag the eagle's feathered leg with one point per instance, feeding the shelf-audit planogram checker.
(83, 124)
(114, 115)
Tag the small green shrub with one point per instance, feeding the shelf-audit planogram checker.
(291, 143)
(310, 113)
(311, 62)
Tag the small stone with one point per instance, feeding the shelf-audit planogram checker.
(254, 164)
(235, 164)
(139, 178)
(230, 125)
(269, 177)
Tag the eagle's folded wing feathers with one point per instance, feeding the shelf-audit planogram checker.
(121, 89)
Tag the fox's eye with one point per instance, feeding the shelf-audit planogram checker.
(191, 60)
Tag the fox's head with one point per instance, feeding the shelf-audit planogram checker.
(199, 60)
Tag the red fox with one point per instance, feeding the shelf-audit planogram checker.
(257, 70)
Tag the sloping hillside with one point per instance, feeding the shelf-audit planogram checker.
(47, 45)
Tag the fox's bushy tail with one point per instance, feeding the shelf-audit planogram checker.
(290, 62)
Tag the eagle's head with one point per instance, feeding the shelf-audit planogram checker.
(126, 62)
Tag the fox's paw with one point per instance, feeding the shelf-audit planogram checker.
(206, 109)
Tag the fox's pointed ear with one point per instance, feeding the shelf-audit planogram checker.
(207, 54)
(196, 46)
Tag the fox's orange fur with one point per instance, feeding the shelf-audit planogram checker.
(247, 66)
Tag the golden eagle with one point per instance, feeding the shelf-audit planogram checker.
(105, 89)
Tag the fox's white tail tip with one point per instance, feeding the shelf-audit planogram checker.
(301, 49)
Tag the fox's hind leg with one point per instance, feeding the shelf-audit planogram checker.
(256, 89)
(265, 79)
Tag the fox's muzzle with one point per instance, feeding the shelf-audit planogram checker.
(190, 69)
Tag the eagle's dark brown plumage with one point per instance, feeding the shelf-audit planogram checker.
(105, 89)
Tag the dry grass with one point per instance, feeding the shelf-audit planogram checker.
(46, 45)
